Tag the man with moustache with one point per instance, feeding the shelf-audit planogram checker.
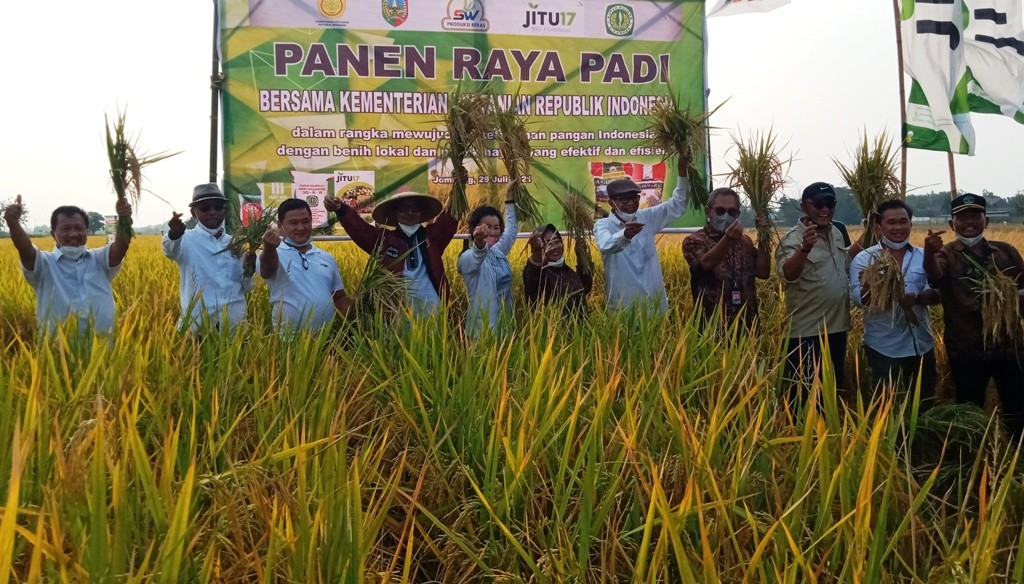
(812, 260)
(898, 343)
(955, 270)
(213, 283)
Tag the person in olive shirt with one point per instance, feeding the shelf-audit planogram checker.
(813, 262)
(955, 269)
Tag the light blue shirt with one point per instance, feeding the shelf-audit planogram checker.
(303, 294)
(632, 271)
(81, 287)
(210, 279)
(888, 332)
(423, 297)
(488, 277)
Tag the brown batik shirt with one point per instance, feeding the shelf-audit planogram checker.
(715, 288)
(959, 289)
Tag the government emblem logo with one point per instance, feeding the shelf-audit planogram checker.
(395, 12)
(618, 20)
(331, 8)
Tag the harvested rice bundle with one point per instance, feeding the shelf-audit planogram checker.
(126, 168)
(872, 177)
(884, 278)
(578, 217)
(248, 237)
(517, 156)
(1000, 312)
(761, 174)
(16, 201)
(680, 132)
(380, 293)
(469, 123)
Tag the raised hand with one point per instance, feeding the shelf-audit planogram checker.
(632, 228)
(810, 237)
(176, 227)
(123, 208)
(479, 236)
(332, 204)
(933, 241)
(272, 237)
(734, 230)
(12, 214)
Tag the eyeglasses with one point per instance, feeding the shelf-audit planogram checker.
(305, 262)
(826, 202)
(732, 211)
(205, 207)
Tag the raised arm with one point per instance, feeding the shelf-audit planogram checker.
(366, 236)
(508, 237)
(171, 243)
(935, 269)
(119, 248)
(269, 260)
(20, 239)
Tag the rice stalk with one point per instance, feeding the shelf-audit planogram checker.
(884, 278)
(677, 131)
(873, 177)
(248, 238)
(469, 124)
(578, 218)
(126, 166)
(514, 150)
(380, 293)
(24, 210)
(760, 173)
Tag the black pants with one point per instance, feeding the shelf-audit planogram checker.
(903, 372)
(971, 379)
(803, 358)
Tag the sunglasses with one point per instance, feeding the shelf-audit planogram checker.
(826, 202)
(206, 207)
(732, 211)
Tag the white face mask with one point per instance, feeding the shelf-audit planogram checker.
(291, 242)
(721, 222)
(74, 252)
(556, 264)
(212, 232)
(409, 229)
(893, 244)
(625, 217)
(970, 241)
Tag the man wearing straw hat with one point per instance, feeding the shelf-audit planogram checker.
(812, 260)
(898, 342)
(960, 271)
(412, 248)
(213, 283)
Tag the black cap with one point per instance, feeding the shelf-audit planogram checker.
(207, 192)
(966, 201)
(818, 190)
(622, 186)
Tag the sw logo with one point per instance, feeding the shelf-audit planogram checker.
(331, 8)
(465, 15)
(395, 12)
(618, 20)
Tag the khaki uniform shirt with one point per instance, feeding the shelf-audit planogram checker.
(818, 301)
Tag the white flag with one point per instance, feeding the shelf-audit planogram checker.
(731, 7)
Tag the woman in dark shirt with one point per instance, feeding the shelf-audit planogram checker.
(547, 279)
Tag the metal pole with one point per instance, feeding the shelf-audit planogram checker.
(903, 99)
(216, 81)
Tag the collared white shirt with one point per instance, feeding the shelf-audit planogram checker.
(211, 280)
(302, 294)
(488, 276)
(632, 270)
(65, 286)
(890, 333)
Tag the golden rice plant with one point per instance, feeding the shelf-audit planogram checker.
(884, 278)
(873, 177)
(516, 154)
(678, 131)
(1000, 307)
(126, 165)
(469, 124)
(760, 173)
(578, 218)
(380, 293)
(247, 238)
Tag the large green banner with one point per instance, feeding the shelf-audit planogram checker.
(329, 96)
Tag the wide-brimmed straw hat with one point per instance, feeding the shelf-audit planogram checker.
(384, 211)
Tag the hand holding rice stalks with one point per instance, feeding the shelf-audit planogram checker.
(578, 217)
(126, 168)
(248, 238)
(1000, 304)
(761, 174)
(469, 123)
(679, 132)
(22, 209)
(873, 177)
(380, 293)
(517, 156)
(884, 279)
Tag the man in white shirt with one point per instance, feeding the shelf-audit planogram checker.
(899, 342)
(626, 240)
(213, 283)
(305, 283)
(71, 281)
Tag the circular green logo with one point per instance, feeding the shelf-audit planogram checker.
(618, 20)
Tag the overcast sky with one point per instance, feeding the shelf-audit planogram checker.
(819, 72)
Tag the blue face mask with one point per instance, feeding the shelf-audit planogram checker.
(721, 222)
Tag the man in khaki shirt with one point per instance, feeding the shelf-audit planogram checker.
(812, 260)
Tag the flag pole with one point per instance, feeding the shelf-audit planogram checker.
(952, 176)
(216, 81)
(903, 98)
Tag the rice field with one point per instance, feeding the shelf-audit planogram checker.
(619, 450)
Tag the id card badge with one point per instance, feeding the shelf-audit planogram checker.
(736, 300)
